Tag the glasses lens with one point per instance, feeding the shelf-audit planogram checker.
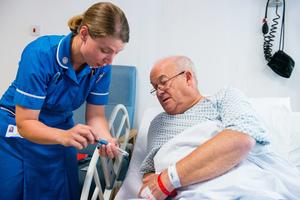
(163, 82)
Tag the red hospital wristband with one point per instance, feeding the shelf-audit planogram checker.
(164, 189)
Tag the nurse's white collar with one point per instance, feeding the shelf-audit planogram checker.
(57, 56)
(63, 53)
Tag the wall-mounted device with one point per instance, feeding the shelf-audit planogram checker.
(274, 3)
(281, 63)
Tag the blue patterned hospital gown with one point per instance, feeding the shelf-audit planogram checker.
(229, 107)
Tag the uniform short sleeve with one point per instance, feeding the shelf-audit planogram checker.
(238, 115)
(31, 78)
(100, 92)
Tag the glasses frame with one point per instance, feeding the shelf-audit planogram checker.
(153, 90)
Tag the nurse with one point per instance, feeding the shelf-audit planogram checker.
(56, 75)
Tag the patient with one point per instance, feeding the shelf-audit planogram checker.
(209, 147)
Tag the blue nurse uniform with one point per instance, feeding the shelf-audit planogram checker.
(46, 81)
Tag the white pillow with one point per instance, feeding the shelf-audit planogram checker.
(265, 103)
(275, 112)
(283, 126)
(278, 125)
(294, 125)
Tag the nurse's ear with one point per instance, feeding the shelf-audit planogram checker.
(84, 32)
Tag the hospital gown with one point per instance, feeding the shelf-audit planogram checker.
(228, 106)
(230, 109)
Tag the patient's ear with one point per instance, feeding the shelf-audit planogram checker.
(189, 78)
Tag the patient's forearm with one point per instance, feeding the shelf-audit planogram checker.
(213, 158)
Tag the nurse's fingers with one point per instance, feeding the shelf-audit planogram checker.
(114, 144)
(74, 140)
(68, 138)
(77, 145)
(85, 131)
(109, 151)
(88, 136)
(102, 150)
(105, 151)
(95, 134)
(81, 140)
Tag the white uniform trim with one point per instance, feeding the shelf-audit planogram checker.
(57, 53)
(99, 94)
(30, 95)
(100, 76)
(11, 112)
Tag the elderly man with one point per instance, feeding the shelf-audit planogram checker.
(210, 147)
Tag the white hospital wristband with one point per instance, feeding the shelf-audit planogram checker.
(173, 176)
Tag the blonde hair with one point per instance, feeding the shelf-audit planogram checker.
(102, 19)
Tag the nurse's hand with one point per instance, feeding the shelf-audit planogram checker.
(110, 149)
(79, 136)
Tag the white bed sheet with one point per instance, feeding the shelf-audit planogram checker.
(275, 112)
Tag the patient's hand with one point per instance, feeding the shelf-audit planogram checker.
(150, 181)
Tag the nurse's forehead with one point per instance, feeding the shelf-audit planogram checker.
(110, 43)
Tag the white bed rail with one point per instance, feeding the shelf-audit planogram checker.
(111, 167)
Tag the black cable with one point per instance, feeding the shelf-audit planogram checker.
(269, 36)
(282, 31)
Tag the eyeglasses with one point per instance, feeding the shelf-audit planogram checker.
(163, 82)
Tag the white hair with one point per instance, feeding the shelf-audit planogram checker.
(184, 63)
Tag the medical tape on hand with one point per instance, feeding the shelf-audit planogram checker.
(146, 193)
(173, 176)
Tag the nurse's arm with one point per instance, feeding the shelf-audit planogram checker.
(31, 128)
(95, 117)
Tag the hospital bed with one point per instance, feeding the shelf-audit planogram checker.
(282, 122)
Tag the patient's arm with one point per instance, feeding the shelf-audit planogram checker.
(211, 159)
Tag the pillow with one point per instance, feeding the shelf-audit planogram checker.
(274, 112)
(282, 124)
(265, 103)
(294, 153)
(278, 126)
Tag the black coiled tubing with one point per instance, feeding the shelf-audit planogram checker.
(269, 38)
